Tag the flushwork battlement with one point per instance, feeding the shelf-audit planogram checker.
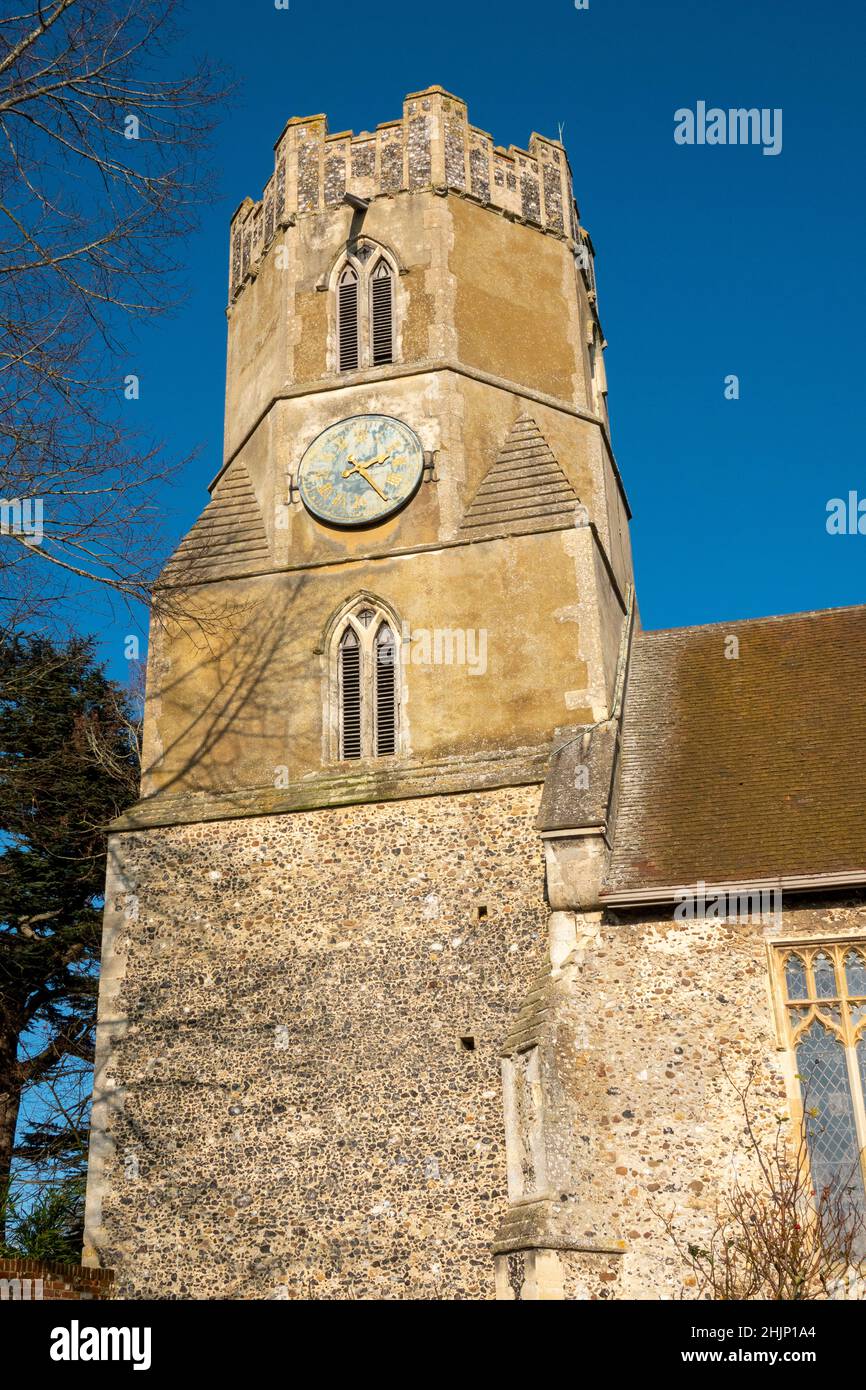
(433, 147)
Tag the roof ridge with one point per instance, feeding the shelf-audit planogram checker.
(751, 622)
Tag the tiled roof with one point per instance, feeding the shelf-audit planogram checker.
(525, 487)
(229, 534)
(742, 769)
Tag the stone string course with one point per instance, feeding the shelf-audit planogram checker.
(307, 1079)
(433, 146)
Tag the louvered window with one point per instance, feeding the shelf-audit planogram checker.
(386, 692)
(366, 310)
(350, 696)
(382, 315)
(365, 683)
(347, 319)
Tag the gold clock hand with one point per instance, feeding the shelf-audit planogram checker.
(367, 479)
(371, 463)
(361, 469)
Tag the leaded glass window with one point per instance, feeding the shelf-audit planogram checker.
(795, 978)
(825, 976)
(824, 1005)
(855, 972)
(831, 1131)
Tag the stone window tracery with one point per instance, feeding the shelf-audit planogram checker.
(821, 996)
(365, 308)
(365, 683)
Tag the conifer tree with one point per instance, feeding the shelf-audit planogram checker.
(68, 766)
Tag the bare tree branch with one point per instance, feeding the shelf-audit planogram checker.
(772, 1236)
(102, 165)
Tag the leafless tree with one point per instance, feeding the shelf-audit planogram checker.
(102, 166)
(774, 1236)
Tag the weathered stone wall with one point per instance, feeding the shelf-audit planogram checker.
(433, 146)
(487, 282)
(641, 1035)
(492, 320)
(493, 295)
(229, 712)
(297, 1086)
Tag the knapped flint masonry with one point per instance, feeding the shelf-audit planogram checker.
(395, 1000)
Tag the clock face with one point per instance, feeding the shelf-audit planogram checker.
(360, 470)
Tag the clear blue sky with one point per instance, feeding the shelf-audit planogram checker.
(711, 260)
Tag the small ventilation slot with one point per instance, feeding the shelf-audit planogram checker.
(386, 692)
(350, 696)
(383, 317)
(347, 316)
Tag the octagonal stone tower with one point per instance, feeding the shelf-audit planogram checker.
(329, 901)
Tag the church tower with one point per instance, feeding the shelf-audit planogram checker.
(411, 582)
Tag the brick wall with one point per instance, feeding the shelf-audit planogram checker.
(52, 1281)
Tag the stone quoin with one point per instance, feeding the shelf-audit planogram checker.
(394, 1003)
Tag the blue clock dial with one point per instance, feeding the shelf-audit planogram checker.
(360, 470)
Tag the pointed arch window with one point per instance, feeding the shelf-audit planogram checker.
(350, 695)
(347, 319)
(366, 309)
(831, 1127)
(382, 314)
(386, 692)
(821, 993)
(365, 682)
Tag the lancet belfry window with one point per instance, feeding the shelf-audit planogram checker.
(348, 325)
(821, 991)
(365, 310)
(385, 692)
(350, 695)
(365, 684)
(382, 314)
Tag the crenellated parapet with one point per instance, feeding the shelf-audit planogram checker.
(433, 147)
